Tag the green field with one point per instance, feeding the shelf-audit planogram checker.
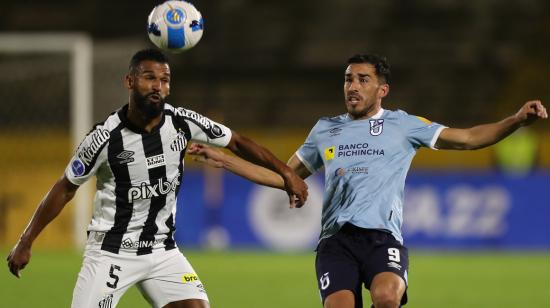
(267, 280)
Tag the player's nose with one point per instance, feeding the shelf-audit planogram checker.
(156, 85)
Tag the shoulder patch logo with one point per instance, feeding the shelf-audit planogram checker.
(217, 132)
(78, 167)
(376, 126)
(329, 152)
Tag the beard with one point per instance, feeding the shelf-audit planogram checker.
(357, 113)
(147, 108)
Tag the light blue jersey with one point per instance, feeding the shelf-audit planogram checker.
(366, 162)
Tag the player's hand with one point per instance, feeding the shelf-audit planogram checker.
(296, 189)
(531, 111)
(206, 154)
(18, 258)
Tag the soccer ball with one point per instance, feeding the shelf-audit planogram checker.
(175, 26)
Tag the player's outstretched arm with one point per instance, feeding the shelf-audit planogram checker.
(247, 149)
(481, 136)
(56, 199)
(217, 158)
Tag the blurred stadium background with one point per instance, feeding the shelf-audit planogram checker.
(476, 222)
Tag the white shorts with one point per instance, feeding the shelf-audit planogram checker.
(162, 277)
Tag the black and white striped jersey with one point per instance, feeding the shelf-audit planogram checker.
(138, 176)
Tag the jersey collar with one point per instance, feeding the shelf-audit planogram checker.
(122, 116)
(378, 115)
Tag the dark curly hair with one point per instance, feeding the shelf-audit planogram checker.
(144, 55)
(380, 64)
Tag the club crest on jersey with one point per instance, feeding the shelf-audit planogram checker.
(106, 301)
(376, 126)
(180, 143)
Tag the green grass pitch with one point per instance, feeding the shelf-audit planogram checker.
(249, 279)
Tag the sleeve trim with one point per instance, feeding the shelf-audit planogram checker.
(70, 178)
(436, 136)
(308, 166)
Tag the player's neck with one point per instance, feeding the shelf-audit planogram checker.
(142, 121)
(369, 114)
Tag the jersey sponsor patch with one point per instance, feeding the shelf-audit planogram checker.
(95, 142)
(77, 167)
(155, 161)
(208, 126)
(358, 149)
(329, 152)
(129, 244)
(189, 277)
(148, 191)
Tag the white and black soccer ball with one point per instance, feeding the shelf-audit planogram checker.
(175, 26)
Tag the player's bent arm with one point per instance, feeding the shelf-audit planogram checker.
(249, 150)
(296, 164)
(236, 165)
(52, 204)
(481, 136)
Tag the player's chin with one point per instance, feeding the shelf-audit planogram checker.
(355, 111)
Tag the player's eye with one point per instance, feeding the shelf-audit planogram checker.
(363, 80)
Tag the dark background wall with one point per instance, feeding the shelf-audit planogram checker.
(280, 63)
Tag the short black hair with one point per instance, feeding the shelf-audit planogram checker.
(146, 54)
(380, 64)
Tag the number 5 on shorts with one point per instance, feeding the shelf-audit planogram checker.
(114, 276)
(393, 254)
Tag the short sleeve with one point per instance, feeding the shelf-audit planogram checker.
(421, 131)
(308, 153)
(205, 130)
(89, 155)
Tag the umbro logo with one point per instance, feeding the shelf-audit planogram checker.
(394, 265)
(125, 157)
(335, 131)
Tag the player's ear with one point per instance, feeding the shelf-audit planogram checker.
(383, 90)
(129, 81)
